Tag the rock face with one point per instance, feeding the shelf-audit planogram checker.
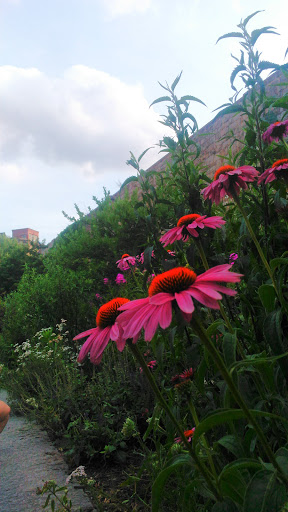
(212, 136)
(27, 460)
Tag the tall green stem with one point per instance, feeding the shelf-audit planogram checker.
(202, 469)
(197, 326)
(222, 310)
(260, 252)
(196, 422)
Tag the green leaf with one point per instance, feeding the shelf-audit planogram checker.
(255, 34)
(231, 34)
(154, 421)
(232, 444)
(233, 109)
(225, 506)
(147, 257)
(267, 296)
(272, 331)
(176, 81)
(265, 64)
(159, 483)
(264, 493)
(190, 116)
(129, 180)
(225, 415)
(229, 348)
(282, 459)
(235, 73)
(255, 361)
(276, 262)
(144, 153)
(233, 485)
(188, 97)
(163, 98)
(170, 142)
(244, 23)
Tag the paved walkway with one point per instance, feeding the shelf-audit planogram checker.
(27, 459)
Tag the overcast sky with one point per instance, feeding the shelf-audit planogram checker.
(76, 81)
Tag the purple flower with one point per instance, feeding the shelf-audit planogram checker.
(106, 280)
(276, 131)
(232, 258)
(120, 279)
(98, 296)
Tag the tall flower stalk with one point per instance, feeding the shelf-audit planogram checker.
(199, 330)
(200, 466)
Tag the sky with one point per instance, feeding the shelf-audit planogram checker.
(76, 81)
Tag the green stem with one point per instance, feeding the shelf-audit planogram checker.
(196, 421)
(202, 469)
(222, 310)
(198, 328)
(285, 144)
(260, 252)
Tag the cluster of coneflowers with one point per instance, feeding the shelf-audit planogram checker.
(120, 319)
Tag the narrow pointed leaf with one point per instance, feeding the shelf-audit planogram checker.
(158, 100)
(225, 415)
(159, 483)
(230, 34)
(188, 97)
(244, 23)
(129, 180)
(144, 153)
(176, 81)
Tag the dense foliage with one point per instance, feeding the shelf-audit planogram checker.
(204, 402)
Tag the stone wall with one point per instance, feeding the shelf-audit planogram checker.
(212, 144)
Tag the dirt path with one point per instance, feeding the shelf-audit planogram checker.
(27, 459)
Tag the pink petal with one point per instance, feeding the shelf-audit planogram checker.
(208, 290)
(133, 304)
(152, 323)
(85, 333)
(100, 345)
(184, 302)
(161, 298)
(114, 334)
(204, 299)
(165, 315)
(86, 347)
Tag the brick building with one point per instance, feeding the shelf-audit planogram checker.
(26, 235)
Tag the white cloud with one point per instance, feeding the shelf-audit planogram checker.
(121, 7)
(11, 173)
(87, 118)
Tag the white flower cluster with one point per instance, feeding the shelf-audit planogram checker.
(31, 401)
(77, 473)
(45, 345)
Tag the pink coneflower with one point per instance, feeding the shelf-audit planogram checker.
(228, 181)
(106, 280)
(140, 258)
(107, 329)
(189, 225)
(188, 434)
(181, 285)
(276, 131)
(232, 258)
(150, 365)
(120, 279)
(278, 170)
(187, 374)
(150, 278)
(171, 253)
(126, 262)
